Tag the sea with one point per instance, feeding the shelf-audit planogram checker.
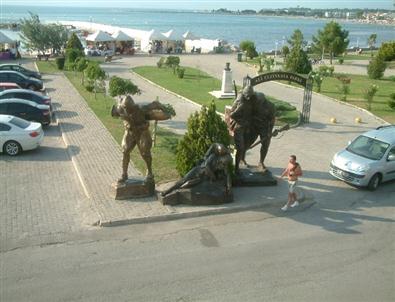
(268, 33)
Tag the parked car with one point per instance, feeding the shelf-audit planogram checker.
(21, 69)
(368, 160)
(7, 85)
(27, 110)
(17, 135)
(26, 94)
(21, 80)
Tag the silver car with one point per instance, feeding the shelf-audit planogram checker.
(368, 160)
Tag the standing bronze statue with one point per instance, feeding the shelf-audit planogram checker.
(252, 115)
(136, 122)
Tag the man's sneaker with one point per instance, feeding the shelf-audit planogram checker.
(284, 208)
(295, 204)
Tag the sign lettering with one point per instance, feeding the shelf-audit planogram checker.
(273, 76)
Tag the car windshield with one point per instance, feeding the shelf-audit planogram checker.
(368, 147)
(19, 122)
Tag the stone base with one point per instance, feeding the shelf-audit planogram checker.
(254, 176)
(204, 193)
(223, 95)
(133, 188)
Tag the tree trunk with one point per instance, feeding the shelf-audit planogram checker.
(331, 57)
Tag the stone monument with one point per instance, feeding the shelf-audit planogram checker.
(136, 123)
(227, 88)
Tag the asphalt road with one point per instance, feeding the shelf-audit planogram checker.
(329, 252)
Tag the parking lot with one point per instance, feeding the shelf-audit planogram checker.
(40, 194)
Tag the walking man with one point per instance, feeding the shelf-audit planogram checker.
(293, 171)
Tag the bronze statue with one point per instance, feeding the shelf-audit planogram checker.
(252, 115)
(214, 166)
(136, 122)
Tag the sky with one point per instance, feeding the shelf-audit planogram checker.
(209, 4)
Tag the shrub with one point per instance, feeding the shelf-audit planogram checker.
(391, 101)
(344, 88)
(326, 71)
(161, 62)
(172, 62)
(204, 128)
(376, 68)
(249, 47)
(120, 86)
(341, 61)
(60, 63)
(89, 87)
(391, 78)
(180, 72)
(282, 106)
(72, 54)
(317, 79)
(74, 42)
(369, 94)
(387, 51)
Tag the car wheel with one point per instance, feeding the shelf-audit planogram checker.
(12, 148)
(374, 182)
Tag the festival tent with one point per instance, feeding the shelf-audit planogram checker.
(154, 35)
(190, 36)
(4, 39)
(99, 36)
(121, 36)
(171, 35)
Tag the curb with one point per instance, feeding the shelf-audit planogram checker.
(175, 216)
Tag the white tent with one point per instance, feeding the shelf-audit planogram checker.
(121, 36)
(99, 36)
(155, 35)
(4, 39)
(190, 36)
(171, 35)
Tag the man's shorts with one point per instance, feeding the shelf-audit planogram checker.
(292, 186)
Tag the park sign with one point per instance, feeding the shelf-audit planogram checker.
(290, 77)
(278, 76)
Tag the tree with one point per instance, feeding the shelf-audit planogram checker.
(376, 67)
(119, 86)
(72, 55)
(372, 41)
(204, 128)
(33, 34)
(332, 39)
(74, 42)
(172, 62)
(80, 65)
(249, 47)
(285, 51)
(344, 88)
(369, 94)
(95, 75)
(297, 39)
(40, 37)
(387, 51)
(298, 61)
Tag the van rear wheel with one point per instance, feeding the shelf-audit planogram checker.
(374, 182)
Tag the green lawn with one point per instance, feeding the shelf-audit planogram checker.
(47, 66)
(196, 86)
(357, 86)
(163, 153)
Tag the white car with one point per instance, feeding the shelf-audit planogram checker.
(17, 135)
(368, 160)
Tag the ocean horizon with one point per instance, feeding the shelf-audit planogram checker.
(267, 32)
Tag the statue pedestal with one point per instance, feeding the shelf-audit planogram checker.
(133, 188)
(227, 89)
(254, 176)
(204, 193)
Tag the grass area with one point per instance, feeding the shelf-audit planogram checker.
(358, 84)
(47, 66)
(196, 86)
(164, 151)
